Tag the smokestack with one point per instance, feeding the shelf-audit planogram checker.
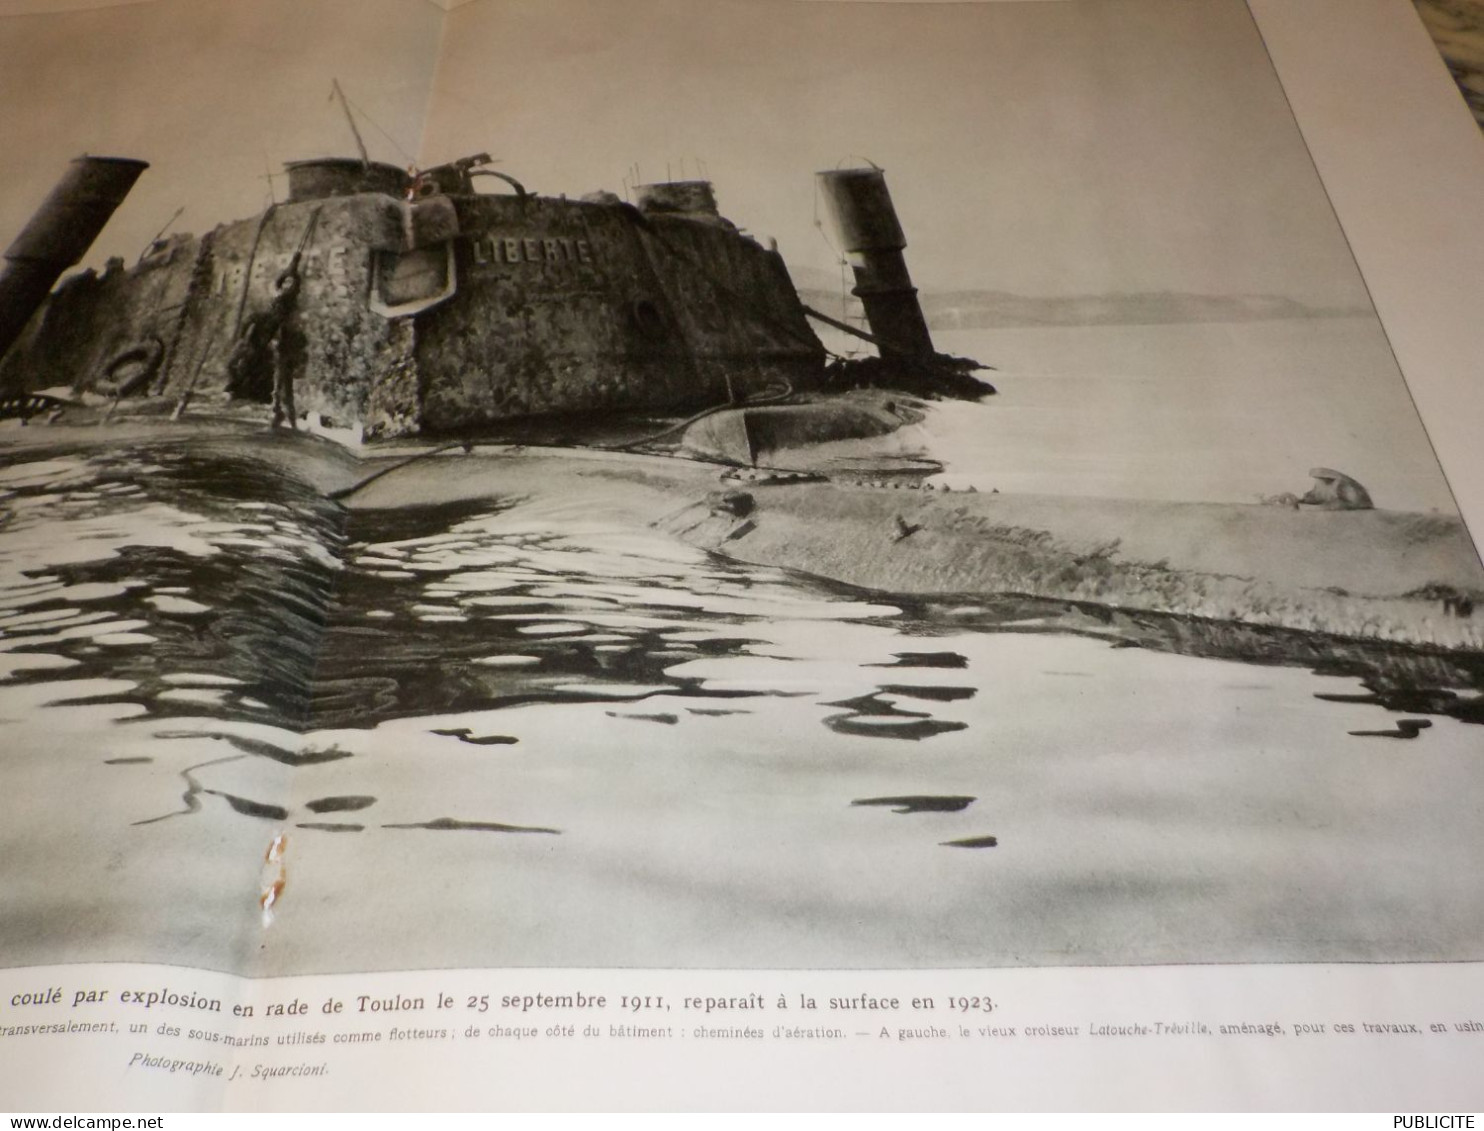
(59, 234)
(868, 229)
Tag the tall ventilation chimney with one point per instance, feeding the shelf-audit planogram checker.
(59, 234)
(870, 233)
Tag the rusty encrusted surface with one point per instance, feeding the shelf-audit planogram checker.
(560, 306)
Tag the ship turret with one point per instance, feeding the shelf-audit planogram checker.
(322, 178)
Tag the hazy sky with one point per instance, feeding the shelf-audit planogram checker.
(1042, 147)
(1086, 146)
(210, 92)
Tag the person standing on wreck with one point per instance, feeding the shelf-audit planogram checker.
(290, 348)
(269, 350)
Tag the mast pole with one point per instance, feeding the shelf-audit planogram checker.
(349, 117)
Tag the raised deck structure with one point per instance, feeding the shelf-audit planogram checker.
(425, 306)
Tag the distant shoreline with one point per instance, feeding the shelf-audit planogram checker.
(996, 310)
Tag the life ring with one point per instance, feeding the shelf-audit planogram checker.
(129, 370)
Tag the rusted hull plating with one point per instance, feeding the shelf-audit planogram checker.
(437, 312)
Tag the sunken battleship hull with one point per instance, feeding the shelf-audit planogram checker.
(394, 305)
(424, 306)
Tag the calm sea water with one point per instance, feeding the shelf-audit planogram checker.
(1227, 412)
(492, 742)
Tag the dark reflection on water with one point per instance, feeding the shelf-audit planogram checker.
(1424, 700)
(925, 660)
(339, 804)
(195, 790)
(203, 581)
(663, 717)
(919, 804)
(464, 734)
(449, 824)
(929, 692)
(1405, 728)
(302, 756)
(250, 808)
(874, 716)
(437, 615)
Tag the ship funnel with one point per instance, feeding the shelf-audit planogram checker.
(870, 233)
(59, 234)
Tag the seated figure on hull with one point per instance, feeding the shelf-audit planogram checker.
(1336, 491)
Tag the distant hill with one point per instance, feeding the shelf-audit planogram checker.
(987, 309)
(974, 310)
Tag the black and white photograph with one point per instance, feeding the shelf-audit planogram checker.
(754, 484)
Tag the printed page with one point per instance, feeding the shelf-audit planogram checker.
(644, 643)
